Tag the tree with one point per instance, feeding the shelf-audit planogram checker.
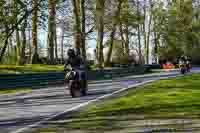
(51, 30)
(178, 30)
(159, 16)
(35, 56)
(139, 32)
(9, 21)
(115, 20)
(83, 32)
(77, 27)
(23, 46)
(147, 27)
(18, 46)
(62, 42)
(125, 20)
(117, 56)
(100, 4)
(56, 43)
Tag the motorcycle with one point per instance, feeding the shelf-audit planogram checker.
(75, 83)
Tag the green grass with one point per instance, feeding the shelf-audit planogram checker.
(177, 98)
(166, 98)
(14, 91)
(30, 68)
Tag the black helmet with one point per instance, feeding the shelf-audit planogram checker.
(71, 53)
(183, 57)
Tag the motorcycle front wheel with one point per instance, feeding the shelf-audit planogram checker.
(74, 89)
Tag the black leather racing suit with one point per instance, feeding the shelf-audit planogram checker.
(77, 63)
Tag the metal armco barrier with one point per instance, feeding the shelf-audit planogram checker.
(39, 80)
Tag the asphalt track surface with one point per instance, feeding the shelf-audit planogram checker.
(19, 111)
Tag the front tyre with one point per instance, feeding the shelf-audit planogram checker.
(72, 90)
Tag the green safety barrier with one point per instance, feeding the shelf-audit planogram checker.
(39, 80)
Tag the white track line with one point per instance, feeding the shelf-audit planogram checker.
(85, 104)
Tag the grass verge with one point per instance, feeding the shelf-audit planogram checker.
(30, 68)
(164, 100)
(14, 91)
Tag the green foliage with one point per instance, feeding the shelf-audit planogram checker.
(118, 56)
(10, 58)
(177, 28)
(195, 55)
(169, 53)
(159, 18)
(128, 15)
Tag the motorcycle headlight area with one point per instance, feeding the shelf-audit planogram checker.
(73, 75)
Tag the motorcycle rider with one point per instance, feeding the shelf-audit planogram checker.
(76, 62)
(182, 64)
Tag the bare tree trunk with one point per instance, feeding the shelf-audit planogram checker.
(139, 36)
(56, 43)
(149, 31)
(145, 48)
(83, 45)
(22, 54)
(139, 45)
(18, 46)
(127, 41)
(112, 34)
(121, 28)
(100, 26)
(9, 49)
(122, 35)
(77, 36)
(35, 57)
(5, 43)
(51, 31)
(109, 54)
(62, 43)
(156, 47)
(30, 46)
(148, 40)
(3, 50)
(145, 34)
